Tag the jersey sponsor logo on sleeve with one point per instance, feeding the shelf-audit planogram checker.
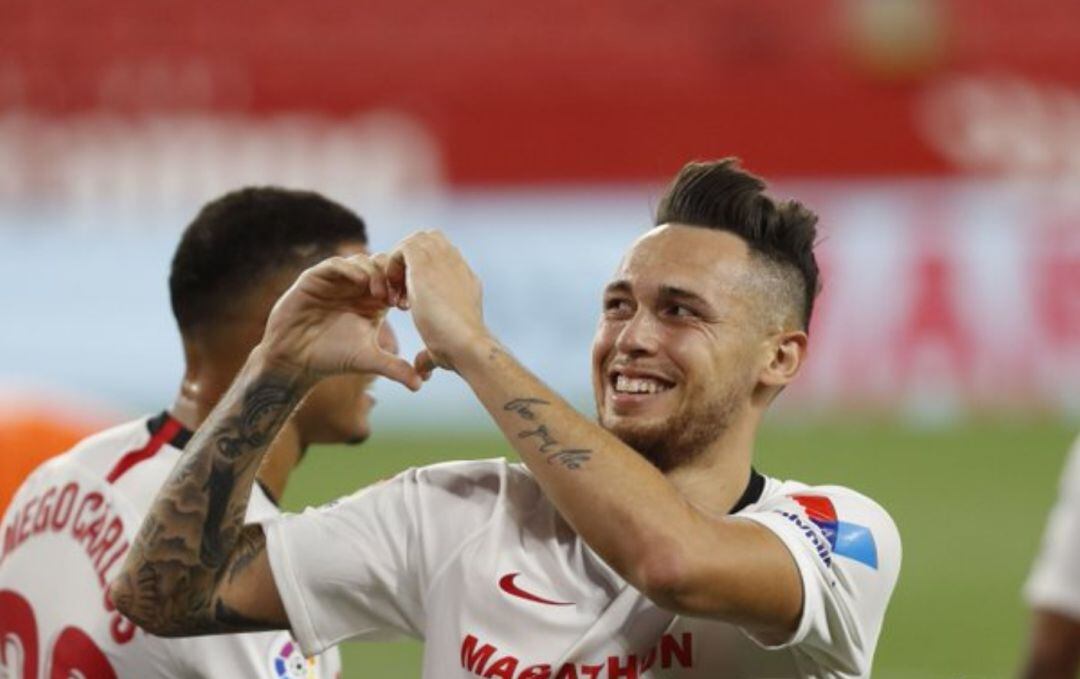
(507, 584)
(288, 662)
(846, 539)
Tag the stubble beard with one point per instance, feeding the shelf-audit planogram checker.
(684, 437)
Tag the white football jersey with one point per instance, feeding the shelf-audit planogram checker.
(472, 558)
(65, 536)
(1054, 583)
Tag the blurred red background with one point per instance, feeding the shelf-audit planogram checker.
(558, 91)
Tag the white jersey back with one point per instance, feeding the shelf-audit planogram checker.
(65, 536)
(1054, 582)
(473, 558)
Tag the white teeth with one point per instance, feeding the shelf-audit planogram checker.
(638, 385)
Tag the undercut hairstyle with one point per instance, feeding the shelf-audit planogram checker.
(720, 195)
(237, 242)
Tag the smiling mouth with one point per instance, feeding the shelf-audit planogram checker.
(638, 385)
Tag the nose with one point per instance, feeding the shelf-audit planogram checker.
(640, 335)
(387, 339)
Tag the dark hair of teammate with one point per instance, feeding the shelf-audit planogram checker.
(236, 241)
(721, 195)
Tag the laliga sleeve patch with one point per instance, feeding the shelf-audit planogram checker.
(849, 540)
(287, 662)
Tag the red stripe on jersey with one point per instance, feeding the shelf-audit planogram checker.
(817, 507)
(170, 429)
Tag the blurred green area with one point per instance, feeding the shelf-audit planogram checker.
(970, 501)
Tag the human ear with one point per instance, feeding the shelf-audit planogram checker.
(787, 352)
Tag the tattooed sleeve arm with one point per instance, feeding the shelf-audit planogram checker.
(195, 567)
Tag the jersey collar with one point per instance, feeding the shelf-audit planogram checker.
(754, 487)
(158, 422)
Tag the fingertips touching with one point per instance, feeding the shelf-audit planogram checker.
(401, 371)
(424, 364)
(382, 263)
(377, 286)
(369, 276)
(395, 274)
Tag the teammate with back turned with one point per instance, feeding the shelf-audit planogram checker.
(73, 519)
(645, 545)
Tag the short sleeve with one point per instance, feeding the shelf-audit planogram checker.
(848, 553)
(359, 567)
(1054, 582)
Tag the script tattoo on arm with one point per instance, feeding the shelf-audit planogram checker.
(547, 445)
(194, 537)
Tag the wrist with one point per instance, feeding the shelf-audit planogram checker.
(477, 353)
(264, 360)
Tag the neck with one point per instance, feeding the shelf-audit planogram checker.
(715, 480)
(281, 458)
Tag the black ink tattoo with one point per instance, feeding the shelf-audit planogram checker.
(218, 487)
(571, 458)
(260, 418)
(230, 618)
(194, 537)
(521, 407)
(547, 441)
(251, 544)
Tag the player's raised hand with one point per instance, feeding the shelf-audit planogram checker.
(427, 274)
(328, 322)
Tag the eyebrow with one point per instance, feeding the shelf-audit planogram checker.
(617, 286)
(666, 292)
(672, 291)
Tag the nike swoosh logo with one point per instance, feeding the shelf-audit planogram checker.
(506, 584)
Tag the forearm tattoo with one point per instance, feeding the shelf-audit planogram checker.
(194, 536)
(546, 444)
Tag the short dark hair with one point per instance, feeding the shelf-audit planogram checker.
(236, 241)
(720, 195)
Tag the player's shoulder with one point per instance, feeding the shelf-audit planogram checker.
(820, 498)
(837, 510)
(464, 493)
(92, 456)
(101, 450)
(126, 459)
(491, 474)
(486, 481)
(487, 468)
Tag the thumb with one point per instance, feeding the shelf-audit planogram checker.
(397, 369)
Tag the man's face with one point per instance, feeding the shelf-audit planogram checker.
(676, 353)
